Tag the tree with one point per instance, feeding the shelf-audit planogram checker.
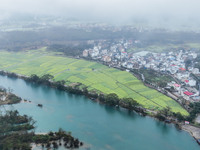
(195, 110)
(102, 97)
(188, 62)
(60, 84)
(160, 116)
(46, 78)
(130, 102)
(112, 99)
(34, 78)
(162, 84)
(166, 111)
(55, 145)
(179, 116)
(85, 91)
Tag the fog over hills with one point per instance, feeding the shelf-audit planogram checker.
(157, 13)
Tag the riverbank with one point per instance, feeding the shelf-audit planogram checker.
(194, 131)
(127, 103)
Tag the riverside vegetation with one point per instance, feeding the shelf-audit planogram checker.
(111, 99)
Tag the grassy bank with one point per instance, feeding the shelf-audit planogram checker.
(93, 75)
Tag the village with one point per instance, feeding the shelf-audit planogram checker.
(184, 87)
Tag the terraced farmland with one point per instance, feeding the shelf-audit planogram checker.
(95, 76)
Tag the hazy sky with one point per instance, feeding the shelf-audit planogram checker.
(155, 11)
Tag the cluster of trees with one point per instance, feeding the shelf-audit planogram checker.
(197, 60)
(195, 110)
(12, 121)
(14, 130)
(18, 40)
(16, 141)
(165, 113)
(9, 74)
(130, 103)
(155, 77)
(49, 140)
(70, 49)
(112, 99)
(188, 63)
(45, 79)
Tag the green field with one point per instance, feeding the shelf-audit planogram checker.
(158, 48)
(95, 76)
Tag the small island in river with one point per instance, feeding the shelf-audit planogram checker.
(6, 97)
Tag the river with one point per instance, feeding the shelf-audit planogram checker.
(99, 126)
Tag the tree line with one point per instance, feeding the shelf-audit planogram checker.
(70, 49)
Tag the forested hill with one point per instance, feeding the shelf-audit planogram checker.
(17, 40)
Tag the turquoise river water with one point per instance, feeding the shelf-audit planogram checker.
(100, 127)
